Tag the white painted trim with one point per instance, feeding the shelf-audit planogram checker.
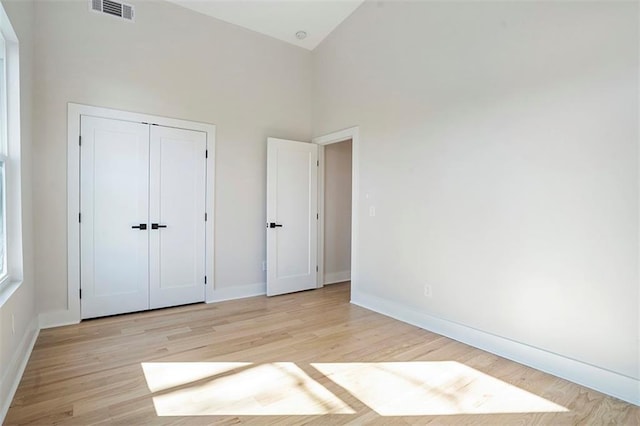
(17, 365)
(14, 164)
(210, 207)
(73, 207)
(336, 277)
(605, 381)
(238, 292)
(339, 136)
(72, 314)
(321, 203)
(13, 160)
(352, 133)
(7, 288)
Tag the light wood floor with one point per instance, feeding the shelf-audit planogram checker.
(309, 357)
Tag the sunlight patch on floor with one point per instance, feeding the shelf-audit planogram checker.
(166, 375)
(432, 388)
(227, 388)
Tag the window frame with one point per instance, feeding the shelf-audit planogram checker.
(4, 244)
(4, 263)
(11, 157)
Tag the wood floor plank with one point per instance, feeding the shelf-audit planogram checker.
(101, 372)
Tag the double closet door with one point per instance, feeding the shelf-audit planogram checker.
(142, 224)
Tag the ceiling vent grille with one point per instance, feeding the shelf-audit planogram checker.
(113, 8)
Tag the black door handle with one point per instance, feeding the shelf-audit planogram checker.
(274, 225)
(156, 226)
(141, 227)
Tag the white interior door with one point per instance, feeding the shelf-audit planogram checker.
(114, 204)
(292, 197)
(177, 216)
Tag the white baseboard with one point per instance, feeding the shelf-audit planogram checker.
(336, 277)
(66, 317)
(611, 383)
(57, 319)
(17, 364)
(238, 292)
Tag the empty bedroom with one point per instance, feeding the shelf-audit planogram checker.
(319, 212)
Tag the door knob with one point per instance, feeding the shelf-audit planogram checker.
(141, 227)
(274, 225)
(156, 226)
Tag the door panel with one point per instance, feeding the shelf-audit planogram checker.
(292, 182)
(177, 201)
(114, 194)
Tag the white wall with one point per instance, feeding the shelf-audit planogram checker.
(177, 63)
(14, 347)
(337, 212)
(499, 145)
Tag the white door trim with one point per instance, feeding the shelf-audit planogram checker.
(72, 314)
(352, 133)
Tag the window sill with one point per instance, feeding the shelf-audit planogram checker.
(7, 288)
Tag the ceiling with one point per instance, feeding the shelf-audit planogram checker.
(280, 19)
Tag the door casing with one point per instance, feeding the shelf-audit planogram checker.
(74, 111)
(352, 133)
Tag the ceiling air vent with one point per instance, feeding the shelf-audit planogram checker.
(113, 8)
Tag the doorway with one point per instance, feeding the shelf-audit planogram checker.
(296, 205)
(337, 213)
(338, 207)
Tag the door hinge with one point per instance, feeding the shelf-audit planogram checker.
(80, 140)
(317, 216)
(316, 268)
(79, 217)
(206, 153)
(205, 280)
(205, 217)
(318, 163)
(80, 293)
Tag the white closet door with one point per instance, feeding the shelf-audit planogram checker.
(114, 198)
(177, 206)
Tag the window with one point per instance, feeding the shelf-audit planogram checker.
(3, 162)
(11, 257)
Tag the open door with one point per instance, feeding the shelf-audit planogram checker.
(292, 216)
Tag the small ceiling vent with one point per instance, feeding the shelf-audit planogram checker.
(113, 8)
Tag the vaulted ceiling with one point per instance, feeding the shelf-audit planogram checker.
(280, 19)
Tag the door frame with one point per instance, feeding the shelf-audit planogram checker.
(352, 133)
(74, 112)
